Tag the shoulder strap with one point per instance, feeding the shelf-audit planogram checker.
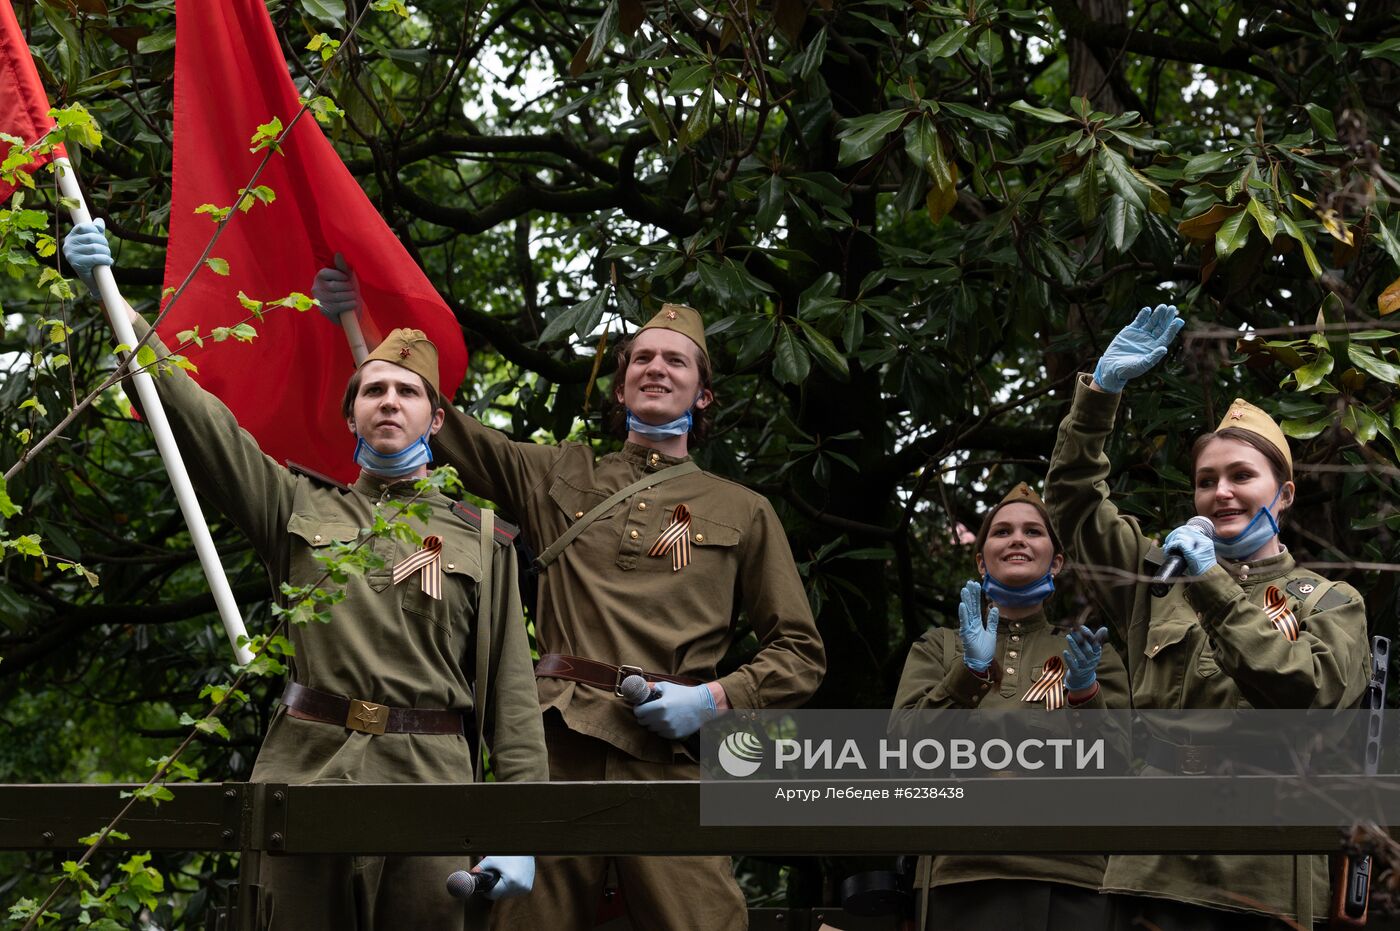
(547, 558)
(484, 610)
(1307, 607)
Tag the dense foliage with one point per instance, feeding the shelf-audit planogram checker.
(908, 226)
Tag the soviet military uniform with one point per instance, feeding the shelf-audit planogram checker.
(1024, 892)
(1208, 644)
(387, 644)
(607, 600)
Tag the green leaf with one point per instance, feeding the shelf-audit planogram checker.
(1206, 163)
(1123, 222)
(1322, 122)
(1389, 241)
(1365, 358)
(145, 357)
(1309, 256)
(825, 350)
(327, 11)
(1312, 374)
(7, 507)
(791, 363)
(1264, 218)
(217, 266)
(1389, 50)
(1123, 181)
(949, 43)
(1233, 233)
(1049, 116)
(1304, 428)
(863, 136)
(994, 122)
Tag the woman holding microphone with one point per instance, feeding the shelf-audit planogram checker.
(1245, 627)
(1012, 658)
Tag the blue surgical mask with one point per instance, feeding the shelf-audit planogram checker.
(1260, 530)
(1027, 596)
(393, 465)
(678, 427)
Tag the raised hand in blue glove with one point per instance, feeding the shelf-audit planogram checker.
(1082, 657)
(85, 247)
(337, 290)
(679, 712)
(517, 876)
(1137, 347)
(979, 641)
(1195, 547)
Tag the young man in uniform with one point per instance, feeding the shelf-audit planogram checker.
(384, 692)
(648, 584)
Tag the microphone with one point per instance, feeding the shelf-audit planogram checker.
(464, 885)
(1176, 563)
(635, 691)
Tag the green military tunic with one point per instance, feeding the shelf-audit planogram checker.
(935, 676)
(388, 644)
(605, 599)
(1208, 644)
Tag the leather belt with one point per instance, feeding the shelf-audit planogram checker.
(367, 717)
(599, 675)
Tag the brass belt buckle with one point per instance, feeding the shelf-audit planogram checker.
(366, 717)
(623, 672)
(1193, 761)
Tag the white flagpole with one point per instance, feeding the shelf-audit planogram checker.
(165, 440)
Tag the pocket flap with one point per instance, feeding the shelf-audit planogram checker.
(317, 531)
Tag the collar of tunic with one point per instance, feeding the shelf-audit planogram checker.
(377, 487)
(1262, 570)
(648, 458)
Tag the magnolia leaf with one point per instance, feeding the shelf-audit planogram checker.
(1388, 301)
(1202, 227)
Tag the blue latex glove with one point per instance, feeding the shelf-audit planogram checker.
(679, 712)
(517, 876)
(85, 247)
(979, 642)
(1196, 547)
(1082, 657)
(337, 289)
(1137, 347)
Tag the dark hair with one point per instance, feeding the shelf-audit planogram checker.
(352, 391)
(1279, 465)
(986, 529)
(616, 418)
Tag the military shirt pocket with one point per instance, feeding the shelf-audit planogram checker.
(573, 503)
(316, 533)
(710, 543)
(459, 568)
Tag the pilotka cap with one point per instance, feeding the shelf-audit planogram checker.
(1245, 416)
(411, 349)
(684, 320)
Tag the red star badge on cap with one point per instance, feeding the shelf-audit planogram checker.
(670, 315)
(1237, 415)
(404, 352)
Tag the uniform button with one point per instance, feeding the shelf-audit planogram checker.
(1012, 654)
(1011, 670)
(1155, 649)
(452, 565)
(577, 515)
(984, 686)
(699, 538)
(635, 534)
(642, 506)
(1015, 639)
(655, 457)
(316, 538)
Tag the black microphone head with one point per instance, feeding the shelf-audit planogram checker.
(461, 885)
(634, 690)
(1202, 524)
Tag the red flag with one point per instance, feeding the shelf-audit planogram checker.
(286, 386)
(24, 107)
